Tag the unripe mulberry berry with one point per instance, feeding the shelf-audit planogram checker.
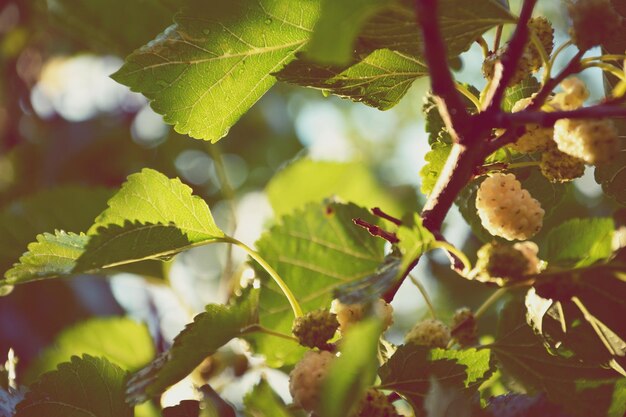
(464, 327)
(307, 377)
(542, 28)
(375, 404)
(572, 97)
(594, 23)
(507, 210)
(508, 262)
(315, 328)
(348, 314)
(430, 332)
(536, 138)
(558, 166)
(594, 141)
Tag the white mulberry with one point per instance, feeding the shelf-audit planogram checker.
(572, 97)
(594, 22)
(348, 314)
(464, 327)
(507, 210)
(536, 138)
(593, 141)
(307, 377)
(430, 332)
(375, 404)
(500, 261)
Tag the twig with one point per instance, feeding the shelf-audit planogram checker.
(506, 69)
(449, 102)
(427, 300)
(376, 211)
(547, 119)
(376, 230)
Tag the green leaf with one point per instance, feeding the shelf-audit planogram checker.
(203, 73)
(435, 160)
(598, 292)
(304, 181)
(525, 89)
(84, 387)
(46, 211)
(151, 197)
(115, 245)
(262, 401)
(379, 80)
(353, 372)
(478, 363)
(410, 371)
(120, 340)
(314, 250)
(579, 242)
(52, 255)
(415, 239)
(335, 33)
(581, 389)
(113, 26)
(209, 331)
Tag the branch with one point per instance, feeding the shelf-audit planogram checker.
(376, 211)
(572, 67)
(449, 102)
(506, 69)
(548, 119)
(376, 230)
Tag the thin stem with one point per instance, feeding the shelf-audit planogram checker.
(498, 38)
(617, 72)
(293, 302)
(517, 165)
(468, 94)
(489, 302)
(422, 290)
(558, 51)
(483, 44)
(607, 57)
(547, 68)
(257, 328)
(439, 244)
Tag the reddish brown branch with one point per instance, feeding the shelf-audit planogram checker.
(449, 101)
(547, 119)
(506, 70)
(376, 211)
(376, 230)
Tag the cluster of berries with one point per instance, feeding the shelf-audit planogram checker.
(315, 329)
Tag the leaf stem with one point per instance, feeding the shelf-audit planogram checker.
(545, 58)
(604, 66)
(498, 37)
(468, 94)
(489, 302)
(293, 302)
(439, 244)
(483, 44)
(516, 165)
(257, 328)
(422, 290)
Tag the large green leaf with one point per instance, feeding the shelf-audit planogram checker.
(84, 387)
(353, 372)
(314, 250)
(412, 368)
(150, 217)
(262, 401)
(203, 73)
(583, 390)
(209, 331)
(579, 242)
(304, 181)
(52, 255)
(379, 80)
(122, 341)
(151, 197)
(113, 26)
(46, 211)
(335, 33)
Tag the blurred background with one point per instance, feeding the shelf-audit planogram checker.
(70, 134)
